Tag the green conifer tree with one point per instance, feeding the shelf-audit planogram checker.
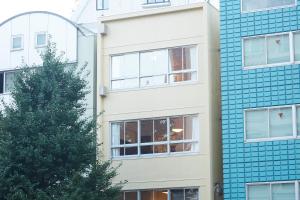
(47, 147)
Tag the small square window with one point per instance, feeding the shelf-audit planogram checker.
(17, 42)
(41, 39)
(102, 4)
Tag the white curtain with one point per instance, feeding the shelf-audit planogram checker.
(115, 138)
(259, 192)
(281, 122)
(195, 131)
(256, 124)
(278, 49)
(254, 51)
(297, 46)
(284, 191)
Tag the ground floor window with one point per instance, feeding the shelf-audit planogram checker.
(273, 191)
(162, 194)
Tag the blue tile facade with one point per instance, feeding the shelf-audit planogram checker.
(241, 89)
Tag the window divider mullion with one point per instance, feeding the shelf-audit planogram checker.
(297, 190)
(139, 138)
(168, 135)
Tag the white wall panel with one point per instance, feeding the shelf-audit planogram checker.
(71, 38)
(5, 33)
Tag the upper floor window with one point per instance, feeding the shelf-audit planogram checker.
(156, 1)
(271, 50)
(151, 68)
(6, 81)
(155, 136)
(256, 5)
(41, 39)
(102, 4)
(162, 194)
(272, 191)
(17, 42)
(272, 123)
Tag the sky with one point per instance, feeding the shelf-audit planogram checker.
(13, 7)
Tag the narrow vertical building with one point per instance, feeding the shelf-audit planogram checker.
(158, 95)
(260, 76)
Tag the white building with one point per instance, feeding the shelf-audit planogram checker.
(22, 37)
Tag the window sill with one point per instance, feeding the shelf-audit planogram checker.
(156, 156)
(156, 5)
(270, 65)
(19, 49)
(271, 139)
(267, 9)
(167, 85)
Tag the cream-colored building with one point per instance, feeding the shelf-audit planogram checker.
(158, 88)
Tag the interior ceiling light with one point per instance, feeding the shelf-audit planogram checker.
(177, 130)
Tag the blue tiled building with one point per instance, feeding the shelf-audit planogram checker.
(260, 73)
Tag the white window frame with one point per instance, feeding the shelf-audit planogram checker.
(292, 51)
(168, 142)
(12, 42)
(196, 70)
(296, 183)
(168, 190)
(294, 123)
(4, 80)
(36, 38)
(270, 8)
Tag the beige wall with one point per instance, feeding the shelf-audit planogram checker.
(168, 27)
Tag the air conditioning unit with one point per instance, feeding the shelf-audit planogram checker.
(102, 29)
(102, 91)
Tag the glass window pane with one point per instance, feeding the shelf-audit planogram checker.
(118, 152)
(298, 120)
(176, 128)
(117, 134)
(147, 149)
(154, 63)
(41, 39)
(191, 194)
(131, 151)
(297, 46)
(160, 130)
(278, 49)
(131, 132)
(102, 4)
(178, 77)
(9, 81)
(125, 66)
(254, 51)
(285, 191)
(259, 192)
(281, 122)
(146, 131)
(161, 195)
(154, 80)
(160, 149)
(1, 82)
(17, 42)
(256, 124)
(177, 194)
(175, 56)
(131, 196)
(251, 5)
(189, 58)
(176, 147)
(147, 195)
(126, 83)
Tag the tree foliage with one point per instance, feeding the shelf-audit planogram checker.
(47, 147)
